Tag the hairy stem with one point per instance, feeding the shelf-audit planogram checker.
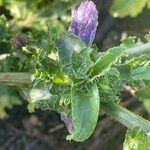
(135, 51)
(16, 78)
(126, 117)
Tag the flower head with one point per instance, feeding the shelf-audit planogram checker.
(84, 21)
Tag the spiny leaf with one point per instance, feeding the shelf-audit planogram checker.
(104, 63)
(81, 63)
(66, 45)
(85, 110)
(74, 55)
(109, 85)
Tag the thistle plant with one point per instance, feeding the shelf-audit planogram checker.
(65, 73)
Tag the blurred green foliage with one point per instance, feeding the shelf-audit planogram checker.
(8, 98)
(137, 140)
(132, 8)
(37, 14)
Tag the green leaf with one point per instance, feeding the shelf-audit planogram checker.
(74, 54)
(136, 139)
(85, 110)
(66, 45)
(129, 42)
(141, 73)
(110, 85)
(81, 63)
(124, 70)
(123, 8)
(127, 68)
(104, 63)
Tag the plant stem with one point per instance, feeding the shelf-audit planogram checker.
(135, 51)
(126, 117)
(16, 78)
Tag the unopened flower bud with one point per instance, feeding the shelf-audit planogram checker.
(84, 21)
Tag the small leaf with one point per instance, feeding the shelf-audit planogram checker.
(104, 63)
(66, 45)
(129, 42)
(81, 63)
(74, 55)
(141, 73)
(85, 110)
(109, 86)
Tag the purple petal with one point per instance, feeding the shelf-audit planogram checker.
(67, 121)
(84, 21)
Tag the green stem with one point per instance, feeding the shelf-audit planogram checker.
(16, 78)
(135, 51)
(126, 117)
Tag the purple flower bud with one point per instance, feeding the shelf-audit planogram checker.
(84, 21)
